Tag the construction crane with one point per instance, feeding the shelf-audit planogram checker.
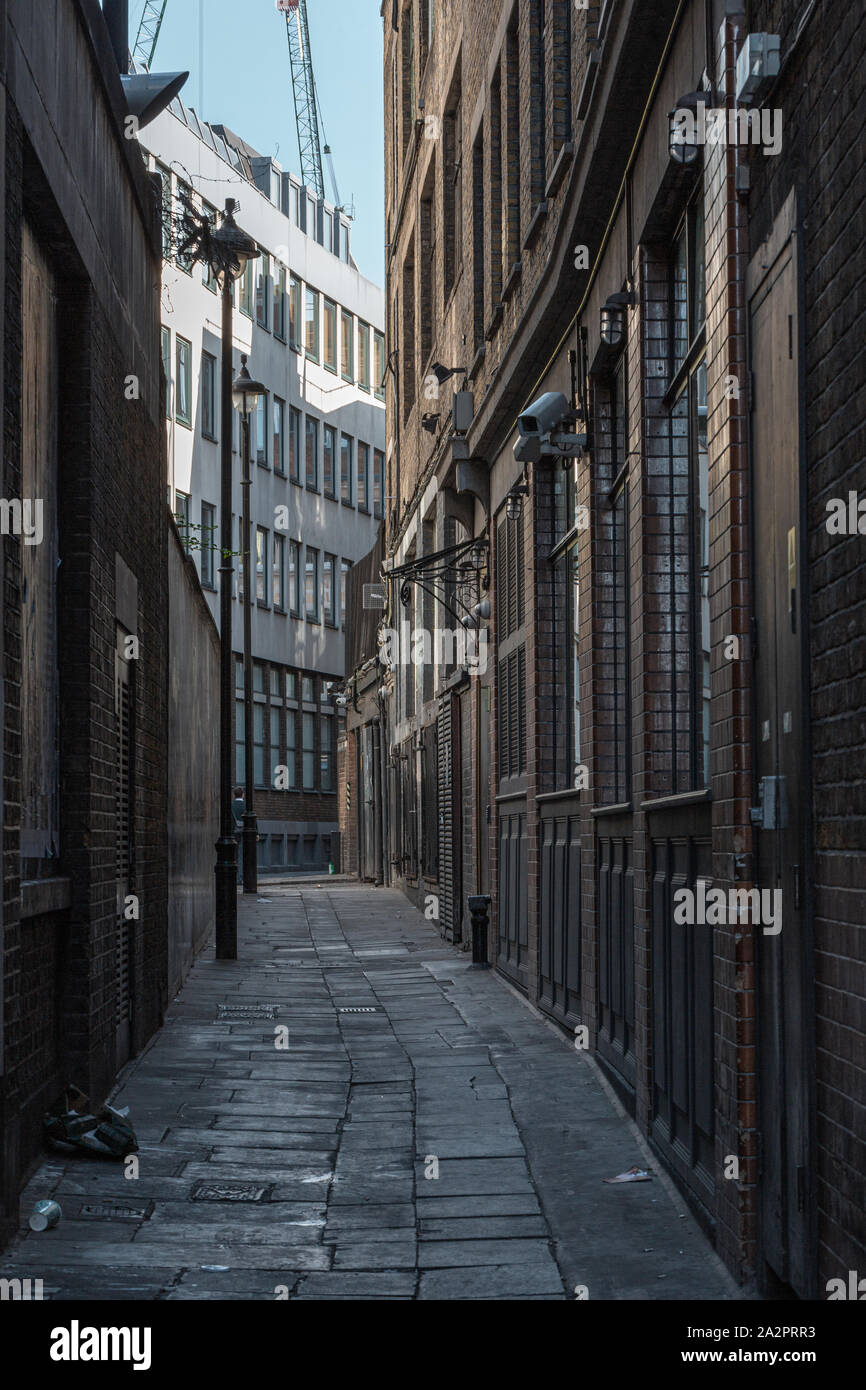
(148, 32)
(308, 115)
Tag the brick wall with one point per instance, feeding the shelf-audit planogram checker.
(60, 962)
(821, 97)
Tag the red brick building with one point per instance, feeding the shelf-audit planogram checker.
(657, 778)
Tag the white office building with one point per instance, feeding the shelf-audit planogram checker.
(312, 326)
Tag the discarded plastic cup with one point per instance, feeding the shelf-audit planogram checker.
(45, 1215)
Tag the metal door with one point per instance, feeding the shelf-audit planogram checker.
(785, 981)
(449, 772)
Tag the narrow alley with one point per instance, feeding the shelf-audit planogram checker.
(418, 1132)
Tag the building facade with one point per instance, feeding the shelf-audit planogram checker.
(83, 918)
(641, 492)
(312, 326)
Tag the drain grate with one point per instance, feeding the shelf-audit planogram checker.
(230, 1192)
(367, 1009)
(241, 1013)
(101, 1211)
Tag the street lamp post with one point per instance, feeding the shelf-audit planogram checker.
(227, 250)
(246, 393)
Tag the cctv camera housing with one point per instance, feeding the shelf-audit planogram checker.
(544, 415)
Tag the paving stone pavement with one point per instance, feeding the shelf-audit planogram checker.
(424, 1135)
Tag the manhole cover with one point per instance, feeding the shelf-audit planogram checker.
(229, 1192)
(98, 1211)
(241, 1012)
(366, 1010)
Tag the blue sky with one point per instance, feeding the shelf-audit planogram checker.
(245, 82)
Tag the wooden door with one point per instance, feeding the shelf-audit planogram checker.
(785, 979)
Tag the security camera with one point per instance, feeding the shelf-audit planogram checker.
(543, 415)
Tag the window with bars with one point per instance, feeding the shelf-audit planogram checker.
(511, 674)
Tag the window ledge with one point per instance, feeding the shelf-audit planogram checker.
(623, 808)
(563, 159)
(40, 896)
(535, 224)
(670, 803)
(476, 363)
(511, 280)
(495, 320)
(589, 78)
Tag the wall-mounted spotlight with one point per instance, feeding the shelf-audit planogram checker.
(443, 374)
(514, 501)
(430, 423)
(613, 317)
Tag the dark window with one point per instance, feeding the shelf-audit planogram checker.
(378, 483)
(209, 543)
(312, 454)
(346, 468)
(511, 682)
(329, 450)
(478, 235)
(294, 444)
(452, 189)
(279, 435)
(208, 395)
(363, 495)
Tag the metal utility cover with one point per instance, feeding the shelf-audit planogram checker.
(359, 1010)
(230, 1192)
(242, 1012)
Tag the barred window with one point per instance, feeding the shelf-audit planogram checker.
(511, 681)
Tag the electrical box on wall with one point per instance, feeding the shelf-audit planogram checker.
(757, 65)
(462, 411)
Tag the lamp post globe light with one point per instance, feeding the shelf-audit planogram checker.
(246, 394)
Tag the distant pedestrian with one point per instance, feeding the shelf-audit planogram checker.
(238, 809)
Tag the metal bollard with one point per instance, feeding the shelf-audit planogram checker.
(479, 908)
